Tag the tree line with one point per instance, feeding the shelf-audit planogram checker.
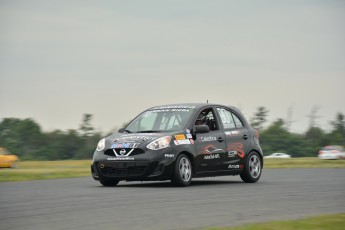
(25, 138)
(277, 137)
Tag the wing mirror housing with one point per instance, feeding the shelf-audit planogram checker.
(201, 129)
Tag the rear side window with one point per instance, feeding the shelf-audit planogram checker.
(238, 122)
(226, 118)
(229, 119)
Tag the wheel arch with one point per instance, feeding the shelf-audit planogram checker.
(190, 157)
(260, 155)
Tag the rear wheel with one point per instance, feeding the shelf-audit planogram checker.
(252, 168)
(109, 183)
(182, 171)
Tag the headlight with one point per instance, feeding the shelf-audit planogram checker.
(101, 145)
(160, 143)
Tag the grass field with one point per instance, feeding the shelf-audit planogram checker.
(329, 222)
(303, 162)
(38, 170)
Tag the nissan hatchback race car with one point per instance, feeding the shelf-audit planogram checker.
(177, 143)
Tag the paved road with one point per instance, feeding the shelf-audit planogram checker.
(82, 203)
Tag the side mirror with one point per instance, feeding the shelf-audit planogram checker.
(121, 130)
(202, 129)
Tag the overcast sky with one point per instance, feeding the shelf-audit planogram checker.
(114, 59)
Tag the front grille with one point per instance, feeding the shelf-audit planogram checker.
(122, 169)
(135, 151)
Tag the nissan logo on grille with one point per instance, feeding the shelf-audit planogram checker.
(122, 151)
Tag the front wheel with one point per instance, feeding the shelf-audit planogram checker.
(109, 183)
(252, 168)
(183, 171)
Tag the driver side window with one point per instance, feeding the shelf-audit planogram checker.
(207, 117)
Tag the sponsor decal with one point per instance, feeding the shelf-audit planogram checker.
(236, 147)
(175, 107)
(189, 136)
(132, 137)
(212, 156)
(187, 131)
(233, 166)
(232, 153)
(234, 132)
(169, 155)
(205, 139)
(120, 159)
(182, 142)
(191, 141)
(168, 110)
(180, 137)
(124, 145)
(211, 149)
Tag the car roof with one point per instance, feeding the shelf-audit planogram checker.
(190, 105)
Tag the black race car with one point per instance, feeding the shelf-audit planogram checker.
(178, 142)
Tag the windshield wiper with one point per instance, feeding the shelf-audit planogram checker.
(151, 131)
(126, 130)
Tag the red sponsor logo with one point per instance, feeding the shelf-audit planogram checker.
(236, 147)
(211, 149)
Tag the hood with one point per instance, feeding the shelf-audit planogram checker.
(131, 140)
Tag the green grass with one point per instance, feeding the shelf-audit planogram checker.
(303, 162)
(329, 222)
(38, 170)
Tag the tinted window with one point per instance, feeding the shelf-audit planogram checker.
(206, 117)
(226, 118)
(238, 122)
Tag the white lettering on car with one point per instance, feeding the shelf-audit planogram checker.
(210, 157)
(205, 139)
(233, 166)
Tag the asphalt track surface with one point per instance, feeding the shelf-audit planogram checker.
(82, 203)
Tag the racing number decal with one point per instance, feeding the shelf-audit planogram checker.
(236, 147)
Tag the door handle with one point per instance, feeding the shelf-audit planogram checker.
(220, 139)
(245, 137)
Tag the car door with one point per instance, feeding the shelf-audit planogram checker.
(236, 138)
(209, 146)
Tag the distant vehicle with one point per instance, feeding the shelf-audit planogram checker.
(7, 160)
(278, 155)
(332, 152)
(178, 142)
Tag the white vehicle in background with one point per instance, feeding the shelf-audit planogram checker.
(278, 155)
(332, 152)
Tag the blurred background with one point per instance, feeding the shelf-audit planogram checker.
(74, 71)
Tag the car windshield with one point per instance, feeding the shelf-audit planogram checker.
(160, 119)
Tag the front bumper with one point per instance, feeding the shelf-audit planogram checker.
(144, 167)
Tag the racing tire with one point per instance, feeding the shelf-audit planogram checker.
(252, 168)
(182, 175)
(109, 183)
